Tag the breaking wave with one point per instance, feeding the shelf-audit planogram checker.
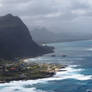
(69, 72)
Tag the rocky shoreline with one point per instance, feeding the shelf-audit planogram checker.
(15, 71)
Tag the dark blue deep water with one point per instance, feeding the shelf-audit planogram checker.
(76, 78)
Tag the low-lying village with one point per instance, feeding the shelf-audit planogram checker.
(22, 70)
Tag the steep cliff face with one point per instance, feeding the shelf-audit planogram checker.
(15, 39)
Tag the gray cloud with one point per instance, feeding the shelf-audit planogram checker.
(61, 15)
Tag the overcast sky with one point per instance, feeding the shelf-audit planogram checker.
(56, 15)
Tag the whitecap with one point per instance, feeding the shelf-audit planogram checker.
(70, 73)
(20, 89)
(90, 49)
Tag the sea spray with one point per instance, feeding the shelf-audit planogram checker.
(70, 73)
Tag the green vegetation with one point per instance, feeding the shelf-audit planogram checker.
(21, 70)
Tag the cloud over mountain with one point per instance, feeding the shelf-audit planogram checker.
(61, 15)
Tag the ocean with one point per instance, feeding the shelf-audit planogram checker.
(76, 78)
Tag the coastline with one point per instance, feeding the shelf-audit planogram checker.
(21, 70)
(7, 75)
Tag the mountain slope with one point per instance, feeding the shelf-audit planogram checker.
(15, 39)
(42, 35)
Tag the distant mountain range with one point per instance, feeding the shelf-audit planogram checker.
(16, 40)
(43, 35)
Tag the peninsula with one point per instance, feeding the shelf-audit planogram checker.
(21, 70)
(16, 43)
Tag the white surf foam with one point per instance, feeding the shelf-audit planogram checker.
(90, 49)
(20, 89)
(70, 73)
